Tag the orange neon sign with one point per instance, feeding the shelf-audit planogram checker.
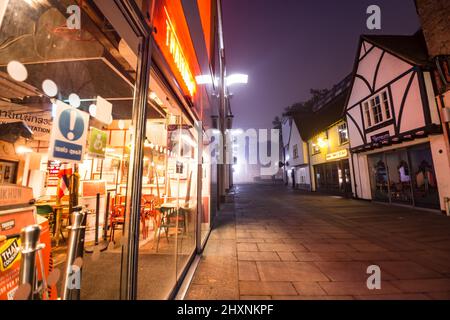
(178, 56)
(174, 41)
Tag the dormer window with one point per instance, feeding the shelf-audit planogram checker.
(377, 109)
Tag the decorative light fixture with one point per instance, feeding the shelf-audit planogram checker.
(322, 143)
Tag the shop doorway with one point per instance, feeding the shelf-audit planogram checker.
(399, 177)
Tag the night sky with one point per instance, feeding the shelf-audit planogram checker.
(289, 46)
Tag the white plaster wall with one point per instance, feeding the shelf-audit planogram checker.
(359, 92)
(441, 166)
(286, 131)
(390, 68)
(364, 178)
(353, 133)
(413, 116)
(296, 140)
(398, 89)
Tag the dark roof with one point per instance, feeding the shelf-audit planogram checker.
(311, 123)
(413, 48)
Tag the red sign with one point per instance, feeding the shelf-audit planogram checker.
(11, 222)
(174, 40)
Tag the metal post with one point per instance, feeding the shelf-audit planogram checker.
(222, 99)
(29, 237)
(75, 248)
(128, 285)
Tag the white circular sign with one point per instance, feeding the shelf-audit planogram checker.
(93, 110)
(50, 88)
(17, 71)
(74, 100)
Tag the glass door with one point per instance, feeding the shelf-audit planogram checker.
(424, 184)
(399, 177)
(379, 181)
(187, 194)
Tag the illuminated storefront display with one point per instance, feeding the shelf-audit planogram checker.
(108, 143)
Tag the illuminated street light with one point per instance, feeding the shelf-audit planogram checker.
(237, 78)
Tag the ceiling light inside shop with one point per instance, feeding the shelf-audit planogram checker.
(121, 124)
(23, 150)
(17, 71)
(155, 98)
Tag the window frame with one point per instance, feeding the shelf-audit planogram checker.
(340, 128)
(377, 109)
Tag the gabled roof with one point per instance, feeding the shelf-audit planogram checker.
(412, 49)
(311, 123)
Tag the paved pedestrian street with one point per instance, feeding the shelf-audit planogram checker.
(276, 243)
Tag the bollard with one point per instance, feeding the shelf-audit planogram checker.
(29, 237)
(75, 248)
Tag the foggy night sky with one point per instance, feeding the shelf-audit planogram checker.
(289, 46)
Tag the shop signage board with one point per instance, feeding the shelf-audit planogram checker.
(380, 137)
(174, 40)
(337, 155)
(97, 143)
(69, 133)
(39, 122)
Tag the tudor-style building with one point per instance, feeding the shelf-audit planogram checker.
(398, 151)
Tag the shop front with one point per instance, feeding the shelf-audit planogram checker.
(86, 121)
(334, 176)
(404, 176)
(330, 164)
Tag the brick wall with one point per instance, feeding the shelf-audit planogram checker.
(434, 16)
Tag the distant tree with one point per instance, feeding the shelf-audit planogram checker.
(276, 123)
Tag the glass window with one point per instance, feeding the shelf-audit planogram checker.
(343, 133)
(378, 177)
(367, 114)
(68, 95)
(425, 190)
(377, 109)
(387, 108)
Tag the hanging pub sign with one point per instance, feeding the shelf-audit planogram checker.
(173, 39)
(69, 133)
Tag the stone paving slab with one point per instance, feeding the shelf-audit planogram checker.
(276, 243)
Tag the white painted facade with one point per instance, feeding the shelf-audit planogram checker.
(296, 155)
